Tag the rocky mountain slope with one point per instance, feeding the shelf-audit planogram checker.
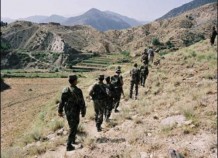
(186, 7)
(65, 41)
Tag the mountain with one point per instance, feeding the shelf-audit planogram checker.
(64, 41)
(35, 18)
(54, 18)
(128, 20)
(8, 20)
(186, 7)
(99, 20)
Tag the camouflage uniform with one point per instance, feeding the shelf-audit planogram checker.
(135, 79)
(143, 74)
(110, 99)
(99, 96)
(73, 103)
(144, 59)
(118, 89)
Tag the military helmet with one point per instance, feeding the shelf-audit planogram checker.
(108, 78)
(101, 77)
(118, 68)
(72, 77)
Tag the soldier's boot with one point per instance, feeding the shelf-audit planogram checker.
(70, 147)
(116, 111)
(99, 129)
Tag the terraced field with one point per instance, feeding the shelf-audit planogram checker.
(99, 63)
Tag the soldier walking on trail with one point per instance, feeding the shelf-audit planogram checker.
(99, 97)
(135, 79)
(111, 92)
(117, 82)
(150, 54)
(143, 74)
(213, 36)
(144, 59)
(73, 103)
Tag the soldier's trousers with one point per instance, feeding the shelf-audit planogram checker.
(117, 97)
(143, 78)
(99, 107)
(109, 107)
(73, 121)
(131, 88)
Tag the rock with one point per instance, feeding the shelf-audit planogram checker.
(65, 133)
(60, 132)
(144, 155)
(192, 126)
(188, 122)
(178, 119)
(149, 134)
(155, 117)
(51, 136)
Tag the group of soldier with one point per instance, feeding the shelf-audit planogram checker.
(105, 96)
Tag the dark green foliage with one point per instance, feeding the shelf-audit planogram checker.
(156, 42)
(169, 44)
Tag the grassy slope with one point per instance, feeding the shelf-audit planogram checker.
(184, 83)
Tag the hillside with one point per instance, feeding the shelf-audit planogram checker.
(184, 83)
(62, 44)
(186, 7)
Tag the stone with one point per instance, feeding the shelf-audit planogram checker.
(188, 122)
(144, 155)
(60, 132)
(172, 120)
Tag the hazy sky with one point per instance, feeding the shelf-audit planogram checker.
(138, 9)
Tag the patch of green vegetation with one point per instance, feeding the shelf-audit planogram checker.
(162, 53)
(169, 44)
(156, 42)
(125, 53)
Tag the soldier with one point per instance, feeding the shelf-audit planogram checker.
(144, 59)
(99, 97)
(110, 91)
(73, 103)
(143, 74)
(213, 36)
(117, 82)
(150, 54)
(135, 79)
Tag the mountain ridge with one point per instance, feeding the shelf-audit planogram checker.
(101, 20)
(186, 7)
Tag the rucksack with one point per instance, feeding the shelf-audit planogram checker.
(100, 92)
(115, 81)
(135, 74)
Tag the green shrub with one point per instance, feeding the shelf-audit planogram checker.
(169, 44)
(156, 42)
(125, 53)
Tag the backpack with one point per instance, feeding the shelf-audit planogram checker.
(100, 92)
(115, 81)
(135, 75)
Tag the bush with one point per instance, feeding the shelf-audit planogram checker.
(156, 42)
(169, 44)
(125, 53)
